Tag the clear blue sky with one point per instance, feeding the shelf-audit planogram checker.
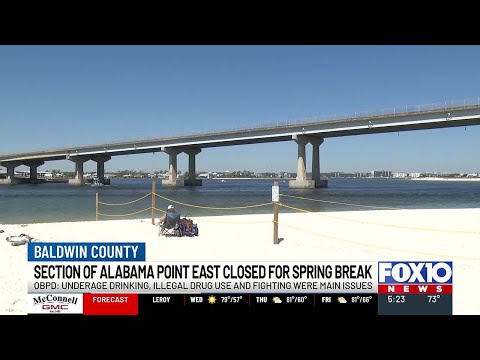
(59, 96)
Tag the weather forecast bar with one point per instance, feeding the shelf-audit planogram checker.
(162, 304)
(334, 303)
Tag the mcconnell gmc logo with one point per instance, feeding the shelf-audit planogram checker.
(55, 304)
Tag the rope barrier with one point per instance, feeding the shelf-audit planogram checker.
(136, 212)
(129, 202)
(174, 201)
(340, 203)
(380, 246)
(380, 224)
(238, 222)
(225, 222)
(286, 206)
(213, 208)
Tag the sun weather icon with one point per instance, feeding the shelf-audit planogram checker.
(212, 299)
(342, 300)
(277, 300)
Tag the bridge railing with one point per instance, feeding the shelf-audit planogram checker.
(390, 111)
(470, 103)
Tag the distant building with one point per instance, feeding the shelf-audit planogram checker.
(205, 175)
(40, 174)
(381, 173)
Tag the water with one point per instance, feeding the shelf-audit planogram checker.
(23, 204)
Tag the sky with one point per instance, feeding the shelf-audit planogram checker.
(61, 96)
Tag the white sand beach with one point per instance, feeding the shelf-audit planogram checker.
(393, 235)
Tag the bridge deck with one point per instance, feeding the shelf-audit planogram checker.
(418, 117)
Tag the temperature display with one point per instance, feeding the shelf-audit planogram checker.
(415, 304)
(231, 299)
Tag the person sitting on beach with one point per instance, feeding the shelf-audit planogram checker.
(170, 219)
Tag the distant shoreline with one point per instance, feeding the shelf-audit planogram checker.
(249, 178)
(416, 179)
(445, 179)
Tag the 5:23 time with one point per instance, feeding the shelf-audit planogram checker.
(396, 299)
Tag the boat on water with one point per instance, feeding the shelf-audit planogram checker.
(95, 181)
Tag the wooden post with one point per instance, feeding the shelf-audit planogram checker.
(275, 213)
(153, 201)
(96, 206)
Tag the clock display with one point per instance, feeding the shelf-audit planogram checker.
(396, 299)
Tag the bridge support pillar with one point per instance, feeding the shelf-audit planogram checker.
(316, 142)
(172, 168)
(192, 172)
(101, 160)
(78, 180)
(301, 181)
(33, 165)
(10, 180)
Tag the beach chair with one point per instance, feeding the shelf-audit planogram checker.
(171, 226)
(188, 227)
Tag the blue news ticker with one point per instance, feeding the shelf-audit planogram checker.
(100, 251)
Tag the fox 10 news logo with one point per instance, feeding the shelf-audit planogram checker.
(415, 277)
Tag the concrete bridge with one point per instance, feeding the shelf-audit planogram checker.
(315, 131)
